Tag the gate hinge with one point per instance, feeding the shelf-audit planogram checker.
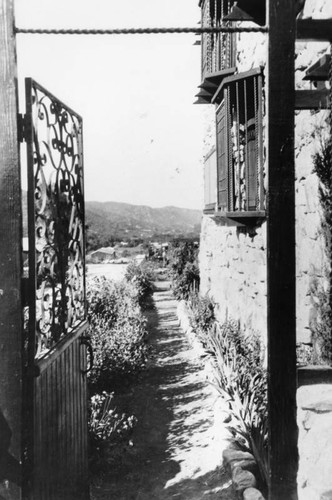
(22, 127)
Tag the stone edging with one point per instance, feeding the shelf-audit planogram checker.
(241, 466)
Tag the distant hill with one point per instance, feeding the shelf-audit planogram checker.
(112, 221)
(109, 221)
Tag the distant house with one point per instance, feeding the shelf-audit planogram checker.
(103, 254)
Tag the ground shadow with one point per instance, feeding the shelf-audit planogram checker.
(215, 484)
(166, 400)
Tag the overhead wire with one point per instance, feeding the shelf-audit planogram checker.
(142, 31)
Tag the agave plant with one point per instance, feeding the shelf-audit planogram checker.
(240, 379)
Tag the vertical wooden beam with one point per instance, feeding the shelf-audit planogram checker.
(281, 252)
(11, 334)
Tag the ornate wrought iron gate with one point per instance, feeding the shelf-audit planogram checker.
(55, 346)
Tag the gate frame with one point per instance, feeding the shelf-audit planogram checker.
(11, 316)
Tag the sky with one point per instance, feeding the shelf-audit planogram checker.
(143, 136)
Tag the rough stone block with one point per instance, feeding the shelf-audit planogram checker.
(315, 440)
(252, 494)
(309, 420)
(319, 407)
(314, 394)
(307, 494)
(242, 479)
(317, 10)
(236, 458)
(327, 495)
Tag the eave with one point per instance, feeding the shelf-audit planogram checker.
(210, 84)
(218, 95)
(319, 71)
(248, 10)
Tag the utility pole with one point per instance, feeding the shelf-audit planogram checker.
(11, 324)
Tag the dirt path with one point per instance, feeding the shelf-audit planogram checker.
(174, 453)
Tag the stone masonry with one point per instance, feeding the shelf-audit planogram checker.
(232, 260)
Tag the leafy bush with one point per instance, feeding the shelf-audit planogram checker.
(322, 328)
(180, 254)
(108, 430)
(184, 269)
(117, 331)
(240, 379)
(142, 276)
(201, 315)
(184, 284)
(304, 354)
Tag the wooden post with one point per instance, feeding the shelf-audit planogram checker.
(283, 450)
(11, 334)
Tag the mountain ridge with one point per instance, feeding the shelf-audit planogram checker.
(109, 221)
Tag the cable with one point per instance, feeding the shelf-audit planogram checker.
(142, 31)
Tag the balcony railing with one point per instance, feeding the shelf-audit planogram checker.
(218, 49)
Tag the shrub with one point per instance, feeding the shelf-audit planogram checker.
(108, 430)
(180, 254)
(201, 314)
(142, 276)
(240, 379)
(322, 329)
(184, 269)
(117, 331)
(305, 354)
(187, 282)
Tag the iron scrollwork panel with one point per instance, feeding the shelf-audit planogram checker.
(56, 217)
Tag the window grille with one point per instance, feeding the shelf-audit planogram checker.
(239, 145)
(218, 49)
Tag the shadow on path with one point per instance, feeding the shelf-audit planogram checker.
(173, 453)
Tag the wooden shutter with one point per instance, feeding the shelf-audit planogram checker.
(222, 156)
(210, 180)
(251, 165)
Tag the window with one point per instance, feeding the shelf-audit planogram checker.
(240, 190)
(218, 49)
(210, 181)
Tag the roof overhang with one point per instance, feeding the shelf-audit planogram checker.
(319, 71)
(248, 10)
(218, 95)
(210, 84)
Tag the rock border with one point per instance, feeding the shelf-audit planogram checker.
(240, 465)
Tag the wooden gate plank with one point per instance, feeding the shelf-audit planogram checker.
(60, 432)
(77, 405)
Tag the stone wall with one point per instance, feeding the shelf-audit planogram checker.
(315, 442)
(232, 260)
(233, 272)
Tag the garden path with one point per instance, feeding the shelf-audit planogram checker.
(175, 452)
